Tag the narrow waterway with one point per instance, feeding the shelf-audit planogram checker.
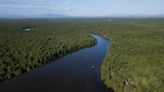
(76, 72)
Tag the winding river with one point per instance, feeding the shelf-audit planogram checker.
(76, 72)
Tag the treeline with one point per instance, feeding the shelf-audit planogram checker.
(135, 61)
(22, 51)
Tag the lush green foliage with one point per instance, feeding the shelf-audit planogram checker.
(23, 51)
(135, 61)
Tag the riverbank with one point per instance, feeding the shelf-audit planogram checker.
(75, 72)
(134, 62)
(22, 51)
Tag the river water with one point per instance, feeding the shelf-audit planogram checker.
(76, 72)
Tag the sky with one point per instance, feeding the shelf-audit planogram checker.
(85, 8)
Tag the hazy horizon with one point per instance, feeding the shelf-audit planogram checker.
(81, 8)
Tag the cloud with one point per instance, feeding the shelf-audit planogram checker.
(34, 7)
(68, 9)
(17, 6)
(67, 6)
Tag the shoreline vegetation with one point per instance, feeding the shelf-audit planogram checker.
(21, 51)
(134, 62)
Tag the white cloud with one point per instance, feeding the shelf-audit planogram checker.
(67, 6)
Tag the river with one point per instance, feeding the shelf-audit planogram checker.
(75, 72)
